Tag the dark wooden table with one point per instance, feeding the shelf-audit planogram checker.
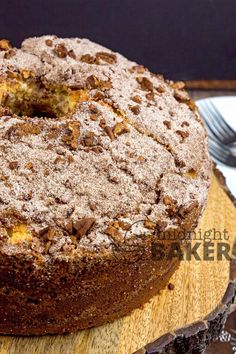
(198, 94)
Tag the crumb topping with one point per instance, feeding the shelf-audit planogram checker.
(91, 143)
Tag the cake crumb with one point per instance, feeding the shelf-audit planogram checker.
(171, 286)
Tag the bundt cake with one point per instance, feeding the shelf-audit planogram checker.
(99, 160)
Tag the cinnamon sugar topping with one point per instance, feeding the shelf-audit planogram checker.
(5, 44)
(83, 226)
(116, 148)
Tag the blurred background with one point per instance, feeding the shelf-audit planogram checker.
(182, 39)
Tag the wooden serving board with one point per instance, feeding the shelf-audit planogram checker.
(199, 286)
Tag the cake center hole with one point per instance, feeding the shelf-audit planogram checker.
(36, 98)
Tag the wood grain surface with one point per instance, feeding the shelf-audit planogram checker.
(211, 84)
(198, 287)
